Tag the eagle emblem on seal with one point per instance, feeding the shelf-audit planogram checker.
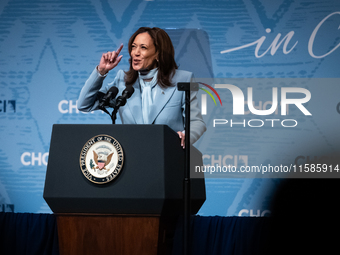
(101, 160)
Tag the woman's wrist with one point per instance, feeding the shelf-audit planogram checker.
(102, 72)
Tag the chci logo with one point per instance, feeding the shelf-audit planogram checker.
(101, 159)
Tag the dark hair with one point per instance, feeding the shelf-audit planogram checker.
(166, 56)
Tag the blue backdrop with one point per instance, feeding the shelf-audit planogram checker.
(49, 48)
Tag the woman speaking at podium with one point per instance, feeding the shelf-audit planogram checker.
(154, 75)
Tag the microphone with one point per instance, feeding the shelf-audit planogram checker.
(121, 100)
(105, 101)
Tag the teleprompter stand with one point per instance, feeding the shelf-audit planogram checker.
(187, 87)
(133, 214)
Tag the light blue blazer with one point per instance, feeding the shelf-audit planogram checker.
(168, 107)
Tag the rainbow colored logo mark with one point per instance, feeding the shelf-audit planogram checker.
(204, 105)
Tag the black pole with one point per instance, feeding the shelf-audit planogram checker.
(186, 250)
(187, 87)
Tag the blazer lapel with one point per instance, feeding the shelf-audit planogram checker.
(161, 99)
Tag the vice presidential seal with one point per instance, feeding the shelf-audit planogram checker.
(101, 159)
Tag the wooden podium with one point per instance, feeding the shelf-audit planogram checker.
(136, 212)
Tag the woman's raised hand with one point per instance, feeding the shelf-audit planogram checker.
(109, 60)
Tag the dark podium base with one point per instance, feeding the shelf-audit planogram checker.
(89, 234)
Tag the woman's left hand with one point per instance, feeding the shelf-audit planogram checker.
(182, 137)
